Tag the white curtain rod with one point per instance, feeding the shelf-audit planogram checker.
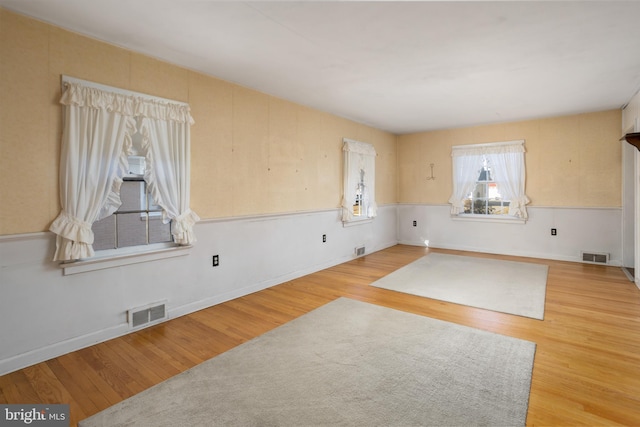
(68, 79)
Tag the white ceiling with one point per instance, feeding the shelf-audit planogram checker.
(398, 66)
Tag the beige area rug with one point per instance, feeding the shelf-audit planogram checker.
(347, 363)
(505, 286)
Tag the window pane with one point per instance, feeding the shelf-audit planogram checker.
(151, 203)
(485, 175)
(159, 232)
(132, 229)
(499, 207)
(493, 192)
(357, 206)
(104, 232)
(480, 191)
(480, 207)
(132, 196)
(467, 206)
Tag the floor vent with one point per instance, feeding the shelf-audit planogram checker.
(147, 315)
(595, 258)
(360, 251)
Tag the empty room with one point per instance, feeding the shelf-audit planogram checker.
(319, 213)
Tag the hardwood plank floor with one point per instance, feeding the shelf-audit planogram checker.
(586, 370)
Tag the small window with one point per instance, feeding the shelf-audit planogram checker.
(138, 221)
(358, 205)
(358, 198)
(486, 199)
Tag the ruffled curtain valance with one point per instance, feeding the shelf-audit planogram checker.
(485, 149)
(351, 146)
(127, 105)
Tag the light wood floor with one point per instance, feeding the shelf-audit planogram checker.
(587, 362)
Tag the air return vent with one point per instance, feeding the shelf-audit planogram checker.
(359, 251)
(595, 258)
(147, 315)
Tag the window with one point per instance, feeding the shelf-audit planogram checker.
(489, 180)
(485, 199)
(102, 128)
(358, 200)
(358, 205)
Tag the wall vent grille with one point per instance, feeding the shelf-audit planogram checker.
(595, 258)
(147, 315)
(359, 251)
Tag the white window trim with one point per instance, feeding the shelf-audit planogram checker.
(505, 219)
(357, 221)
(125, 256)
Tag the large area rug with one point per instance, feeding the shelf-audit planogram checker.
(505, 286)
(347, 363)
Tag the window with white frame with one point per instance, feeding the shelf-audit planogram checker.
(485, 198)
(489, 180)
(358, 199)
(102, 128)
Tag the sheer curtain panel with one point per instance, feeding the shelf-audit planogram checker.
(166, 148)
(466, 167)
(509, 174)
(96, 139)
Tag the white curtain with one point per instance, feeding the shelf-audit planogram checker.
(96, 142)
(359, 164)
(96, 139)
(466, 168)
(166, 148)
(509, 175)
(507, 161)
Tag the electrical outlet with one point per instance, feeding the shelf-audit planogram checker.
(216, 260)
(324, 238)
(415, 223)
(554, 232)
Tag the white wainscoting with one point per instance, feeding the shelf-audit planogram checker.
(578, 229)
(45, 314)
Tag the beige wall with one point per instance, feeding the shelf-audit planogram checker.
(256, 154)
(571, 161)
(251, 153)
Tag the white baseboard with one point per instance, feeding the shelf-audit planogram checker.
(42, 354)
(525, 254)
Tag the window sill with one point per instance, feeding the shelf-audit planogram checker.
(488, 218)
(356, 222)
(119, 258)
